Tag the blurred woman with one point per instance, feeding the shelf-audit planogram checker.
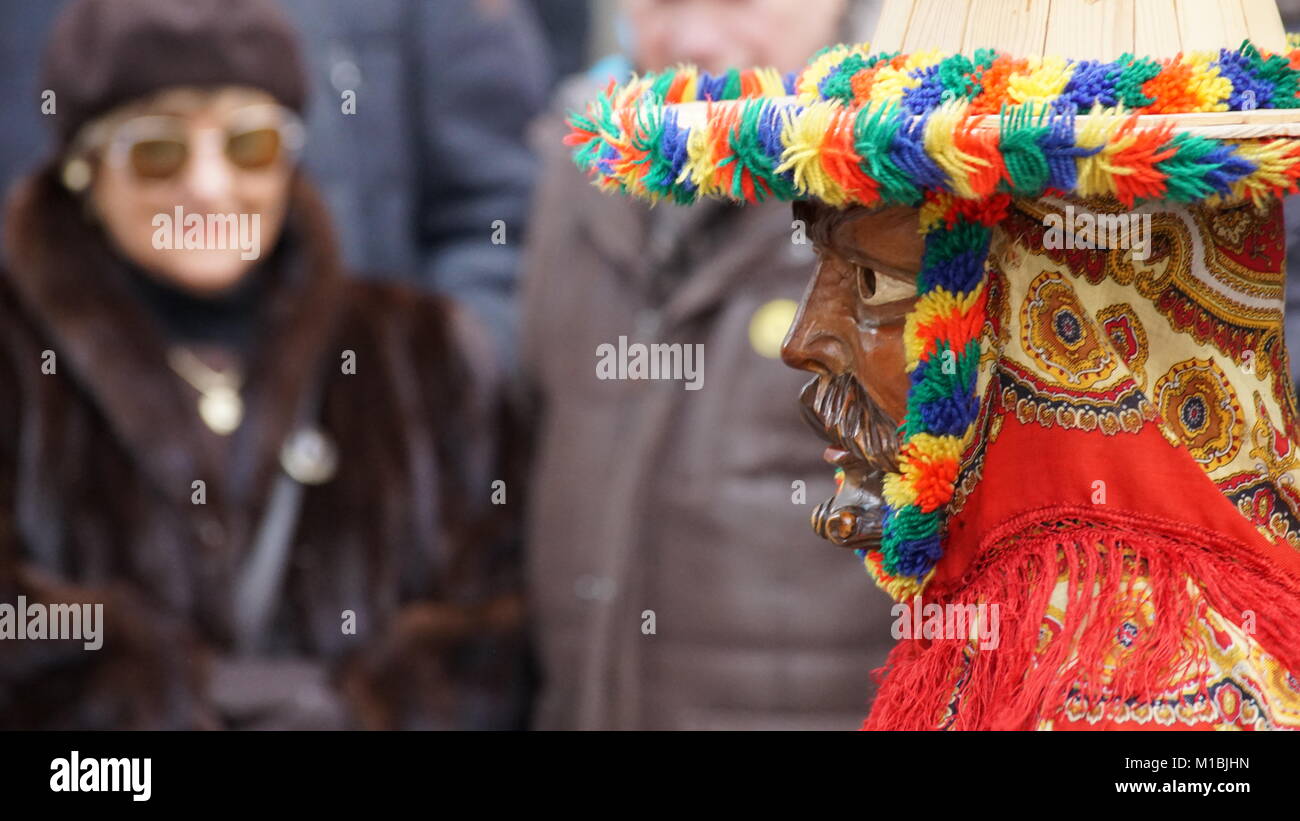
(277, 480)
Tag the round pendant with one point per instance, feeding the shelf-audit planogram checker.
(309, 456)
(221, 410)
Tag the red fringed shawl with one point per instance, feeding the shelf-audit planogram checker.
(1127, 501)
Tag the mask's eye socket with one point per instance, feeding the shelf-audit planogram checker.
(880, 289)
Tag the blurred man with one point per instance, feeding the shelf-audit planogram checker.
(675, 581)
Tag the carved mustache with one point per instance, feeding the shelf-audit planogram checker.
(842, 412)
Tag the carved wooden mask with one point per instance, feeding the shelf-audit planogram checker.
(849, 334)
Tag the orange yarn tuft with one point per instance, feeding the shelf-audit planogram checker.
(994, 81)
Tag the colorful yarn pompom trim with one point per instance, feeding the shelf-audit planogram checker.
(1225, 80)
(893, 129)
(878, 154)
(859, 135)
(941, 340)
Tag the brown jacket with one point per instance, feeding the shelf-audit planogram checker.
(98, 460)
(646, 496)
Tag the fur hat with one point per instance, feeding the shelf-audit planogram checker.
(103, 53)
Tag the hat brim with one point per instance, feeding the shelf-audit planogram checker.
(1224, 125)
(848, 144)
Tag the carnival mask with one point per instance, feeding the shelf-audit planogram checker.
(849, 333)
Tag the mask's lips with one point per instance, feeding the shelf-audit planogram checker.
(837, 457)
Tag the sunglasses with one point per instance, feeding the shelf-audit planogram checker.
(157, 147)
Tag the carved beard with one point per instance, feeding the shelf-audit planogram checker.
(843, 414)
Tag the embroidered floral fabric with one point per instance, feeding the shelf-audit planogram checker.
(1188, 340)
(1128, 495)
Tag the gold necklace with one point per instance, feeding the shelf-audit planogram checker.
(220, 406)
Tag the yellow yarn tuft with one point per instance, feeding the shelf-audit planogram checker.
(628, 95)
(932, 448)
(770, 82)
(803, 141)
(1044, 80)
(931, 304)
(1095, 171)
(897, 492)
(904, 588)
(933, 210)
(924, 59)
(700, 166)
(1271, 164)
(890, 82)
(691, 89)
(942, 148)
(1210, 88)
(936, 303)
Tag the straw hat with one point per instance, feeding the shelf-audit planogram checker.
(959, 106)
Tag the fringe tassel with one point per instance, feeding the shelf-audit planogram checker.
(1020, 683)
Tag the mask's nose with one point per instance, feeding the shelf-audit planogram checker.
(821, 338)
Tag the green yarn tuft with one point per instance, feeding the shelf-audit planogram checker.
(1022, 153)
(599, 119)
(731, 91)
(937, 384)
(907, 524)
(658, 176)
(984, 57)
(1277, 72)
(941, 246)
(662, 83)
(1186, 171)
(873, 134)
(1128, 87)
(839, 85)
(747, 152)
(956, 75)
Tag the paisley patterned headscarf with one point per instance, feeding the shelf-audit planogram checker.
(1134, 453)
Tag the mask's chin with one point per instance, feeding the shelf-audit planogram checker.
(863, 444)
(854, 516)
